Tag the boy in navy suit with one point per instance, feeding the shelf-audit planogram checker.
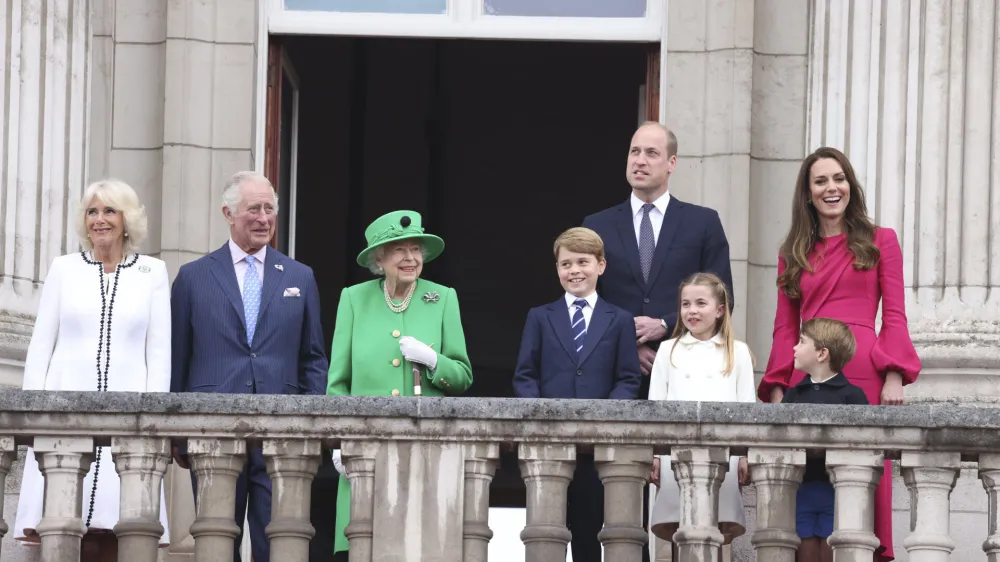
(579, 346)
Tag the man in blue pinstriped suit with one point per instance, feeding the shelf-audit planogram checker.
(246, 320)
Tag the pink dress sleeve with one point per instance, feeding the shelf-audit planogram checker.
(786, 334)
(893, 349)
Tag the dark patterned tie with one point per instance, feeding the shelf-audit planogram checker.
(647, 244)
(579, 324)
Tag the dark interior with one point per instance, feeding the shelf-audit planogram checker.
(500, 145)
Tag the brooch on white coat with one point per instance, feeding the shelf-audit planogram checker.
(431, 296)
(279, 267)
(144, 268)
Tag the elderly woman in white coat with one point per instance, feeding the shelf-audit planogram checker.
(110, 303)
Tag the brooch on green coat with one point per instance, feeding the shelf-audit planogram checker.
(431, 296)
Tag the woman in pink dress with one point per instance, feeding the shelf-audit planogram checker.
(835, 263)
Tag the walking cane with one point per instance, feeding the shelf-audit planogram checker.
(416, 376)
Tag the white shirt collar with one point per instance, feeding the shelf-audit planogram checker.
(660, 204)
(591, 300)
(239, 255)
(688, 339)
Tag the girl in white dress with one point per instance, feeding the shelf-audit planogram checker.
(109, 303)
(702, 362)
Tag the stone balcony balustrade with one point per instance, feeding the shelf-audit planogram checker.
(421, 468)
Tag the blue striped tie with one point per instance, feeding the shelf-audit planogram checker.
(251, 297)
(579, 324)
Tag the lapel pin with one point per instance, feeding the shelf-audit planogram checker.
(279, 267)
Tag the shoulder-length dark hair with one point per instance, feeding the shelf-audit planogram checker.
(804, 232)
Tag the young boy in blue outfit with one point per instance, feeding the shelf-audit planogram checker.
(825, 346)
(579, 346)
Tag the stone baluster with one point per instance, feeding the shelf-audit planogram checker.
(699, 472)
(359, 461)
(141, 463)
(547, 471)
(989, 473)
(63, 461)
(776, 473)
(292, 465)
(8, 452)
(854, 475)
(930, 477)
(624, 471)
(217, 463)
(480, 466)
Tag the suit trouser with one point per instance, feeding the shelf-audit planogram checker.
(585, 510)
(322, 515)
(253, 491)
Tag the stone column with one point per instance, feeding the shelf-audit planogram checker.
(855, 474)
(908, 91)
(989, 473)
(776, 473)
(63, 461)
(359, 461)
(547, 471)
(43, 138)
(217, 463)
(8, 453)
(930, 477)
(624, 471)
(480, 466)
(141, 463)
(292, 465)
(699, 472)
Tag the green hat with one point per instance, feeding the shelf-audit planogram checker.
(399, 225)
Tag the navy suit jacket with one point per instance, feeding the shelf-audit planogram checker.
(691, 240)
(210, 351)
(548, 365)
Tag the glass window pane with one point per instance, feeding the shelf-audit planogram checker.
(370, 6)
(567, 8)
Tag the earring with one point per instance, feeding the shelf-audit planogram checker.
(126, 235)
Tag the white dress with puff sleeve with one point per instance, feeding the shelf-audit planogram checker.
(63, 355)
(695, 373)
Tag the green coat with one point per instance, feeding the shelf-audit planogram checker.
(366, 361)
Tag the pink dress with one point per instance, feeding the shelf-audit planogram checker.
(836, 290)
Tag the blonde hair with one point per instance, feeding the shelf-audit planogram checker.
(723, 325)
(834, 336)
(119, 196)
(580, 240)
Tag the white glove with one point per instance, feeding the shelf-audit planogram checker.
(337, 463)
(418, 352)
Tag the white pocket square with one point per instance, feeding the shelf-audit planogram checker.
(291, 292)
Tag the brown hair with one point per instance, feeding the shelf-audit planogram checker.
(834, 336)
(804, 232)
(580, 240)
(723, 325)
(671, 137)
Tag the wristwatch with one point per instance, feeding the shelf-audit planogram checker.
(664, 323)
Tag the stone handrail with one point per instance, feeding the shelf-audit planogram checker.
(390, 445)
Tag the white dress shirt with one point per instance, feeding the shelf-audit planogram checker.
(655, 215)
(588, 310)
(239, 262)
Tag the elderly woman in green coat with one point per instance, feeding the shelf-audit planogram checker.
(393, 325)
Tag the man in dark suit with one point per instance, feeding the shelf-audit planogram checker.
(653, 242)
(579, 346)
(246, 320)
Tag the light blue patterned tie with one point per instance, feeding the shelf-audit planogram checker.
(579, 324)
(646, 242)
(251, 297)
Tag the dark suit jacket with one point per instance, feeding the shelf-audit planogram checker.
(548, 365)
(691, 241)
(210, 351)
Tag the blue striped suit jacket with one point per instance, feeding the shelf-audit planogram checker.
(210, 351)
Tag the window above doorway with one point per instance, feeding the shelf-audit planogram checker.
(556, 20)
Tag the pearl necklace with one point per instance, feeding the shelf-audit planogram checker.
(397, 308)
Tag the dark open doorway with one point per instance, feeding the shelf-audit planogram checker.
(500, 145)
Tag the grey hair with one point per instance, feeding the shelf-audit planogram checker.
(232, 195)
(120, 196)
(379, 253)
